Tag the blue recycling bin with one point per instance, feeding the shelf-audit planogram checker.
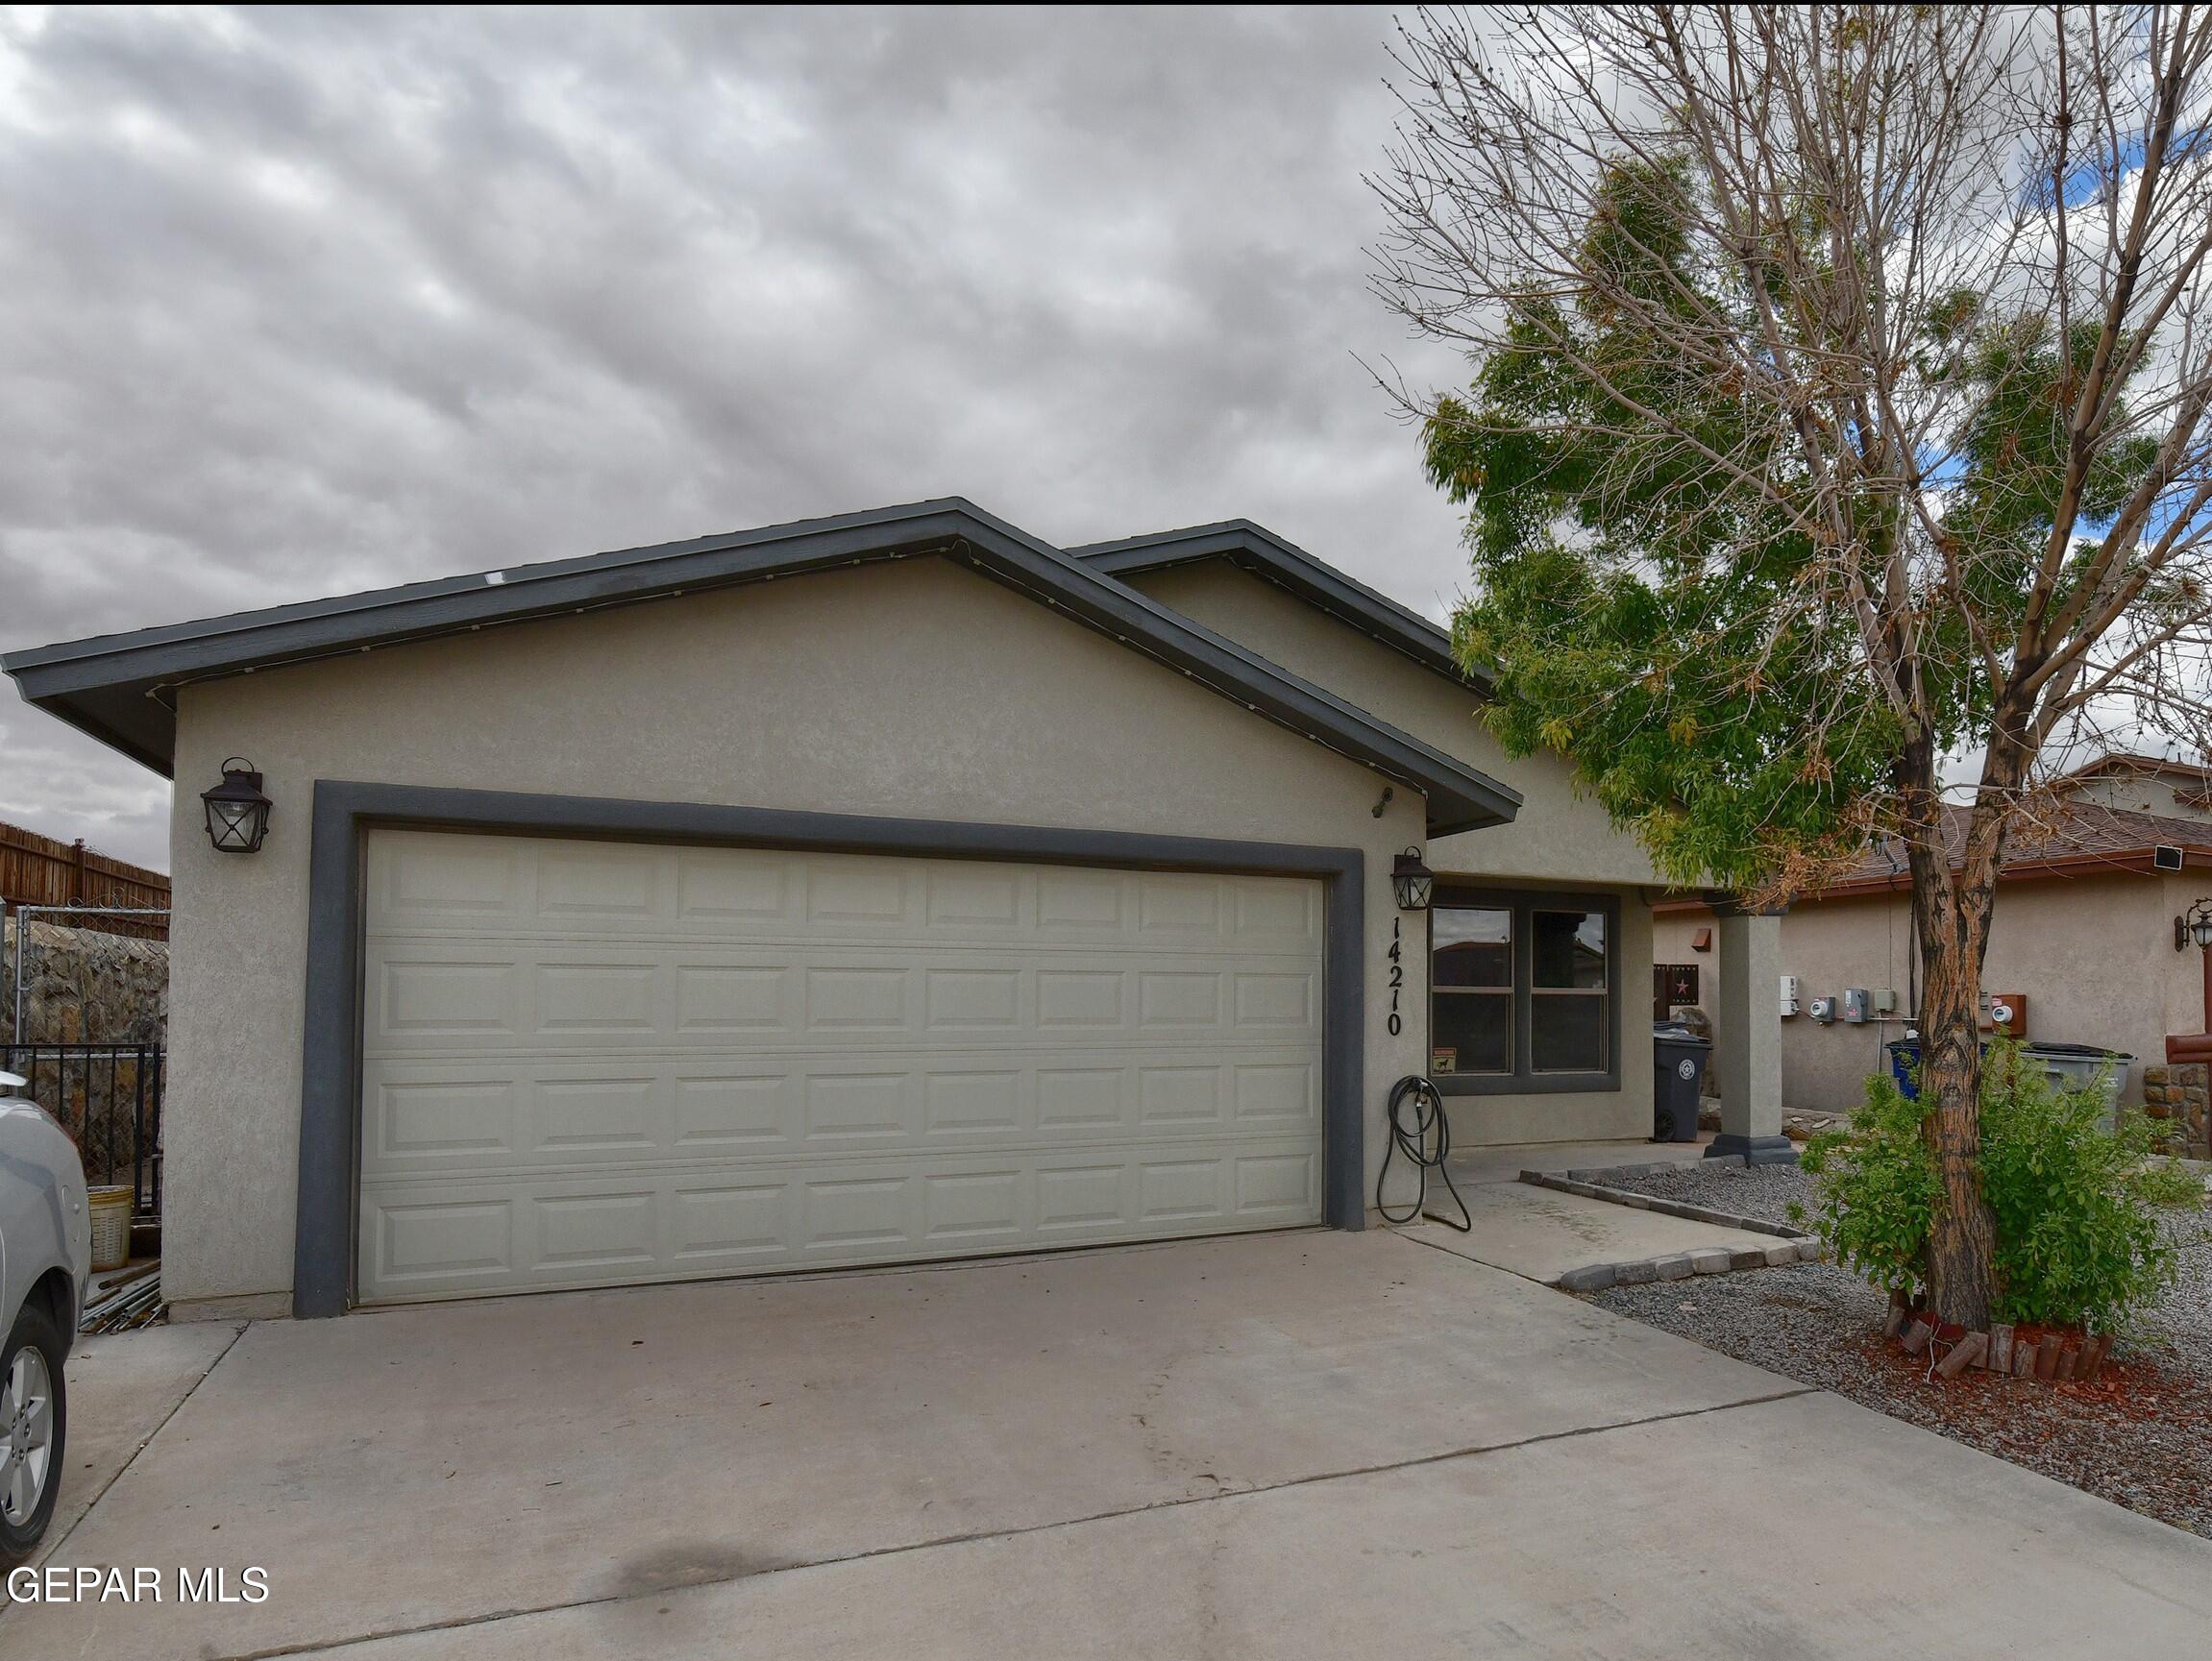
(1903, 1060)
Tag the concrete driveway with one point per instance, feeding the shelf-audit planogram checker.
(1289, 1445)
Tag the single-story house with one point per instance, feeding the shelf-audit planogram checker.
(2083, 947)
(870, 888)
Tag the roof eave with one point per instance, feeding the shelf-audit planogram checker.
(92, 683)
(1259, 551)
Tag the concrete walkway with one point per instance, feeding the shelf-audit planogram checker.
(1285, 1445)
(1505, 1163)
(1543, 1234)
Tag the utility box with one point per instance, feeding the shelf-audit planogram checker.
(1885, 1000)
(1824, 1010)
(2006, 1013)
(1855, 1002)
(1790, 994)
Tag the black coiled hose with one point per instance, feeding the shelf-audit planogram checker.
(1425, 1139)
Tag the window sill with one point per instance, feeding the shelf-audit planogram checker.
(1525, 1084)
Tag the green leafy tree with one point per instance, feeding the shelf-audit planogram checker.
(1840, 406)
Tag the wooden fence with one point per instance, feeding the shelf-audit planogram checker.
(37, 870)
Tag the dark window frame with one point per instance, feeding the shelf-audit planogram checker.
(1524, 903)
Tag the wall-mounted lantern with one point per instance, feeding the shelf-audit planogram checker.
(1413, 882)
(237, 812)
(2196, 927)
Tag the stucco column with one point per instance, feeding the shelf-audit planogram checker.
(1747, 1039)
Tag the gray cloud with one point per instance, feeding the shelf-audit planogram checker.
(302, 301)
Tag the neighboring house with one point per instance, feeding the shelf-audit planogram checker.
(2083, 935)
(870, 888)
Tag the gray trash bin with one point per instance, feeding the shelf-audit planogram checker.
(2077, 1067)
(1677, 1073)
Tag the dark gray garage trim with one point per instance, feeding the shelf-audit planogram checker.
(329, 1088)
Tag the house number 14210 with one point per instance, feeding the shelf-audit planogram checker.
(1398, 975)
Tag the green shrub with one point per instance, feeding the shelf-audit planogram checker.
(1874, 1189)
(2077, 1237)
(2077, 1243)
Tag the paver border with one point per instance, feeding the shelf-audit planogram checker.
(1790, 1245)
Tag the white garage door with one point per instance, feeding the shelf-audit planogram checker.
(595, 1062)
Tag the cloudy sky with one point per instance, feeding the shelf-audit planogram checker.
(304, 302)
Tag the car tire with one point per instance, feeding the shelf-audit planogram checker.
(34, 1341)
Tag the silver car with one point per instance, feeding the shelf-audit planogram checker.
(45, 1256)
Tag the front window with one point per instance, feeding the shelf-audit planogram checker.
(1472, 975)
(1567, 993)
(1522, 990)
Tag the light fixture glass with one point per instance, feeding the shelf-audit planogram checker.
(1413, 883)
(237, 812)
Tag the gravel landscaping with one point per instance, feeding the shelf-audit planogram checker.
(2140, 1436)
(1761, 1191)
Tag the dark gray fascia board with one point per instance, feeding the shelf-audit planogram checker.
(1256, 548)
(323, 1280)
(113, 687)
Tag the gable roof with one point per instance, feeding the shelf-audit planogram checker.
(1259, 550)
(2190, 781)
(120, 688)
(2119, 763)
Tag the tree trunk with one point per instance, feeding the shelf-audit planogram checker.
(1962, 1244)
(1952, 911)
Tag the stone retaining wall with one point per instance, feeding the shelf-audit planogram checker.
(81, 986)
(2178, 1098)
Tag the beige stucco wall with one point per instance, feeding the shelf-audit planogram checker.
(1558, 834)
(2184, 976)
(913, 689)
(1559, 841)
(2092, 955)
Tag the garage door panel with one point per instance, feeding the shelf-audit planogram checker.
(625, 1116)
(464, 1241)
(603, 882)
(470, 885)
(583, 1232)
(553, 1115)
(448, 882)
(457, 1121)
(727, 1226)
(430, 1000)
(586, 1064)
(723, 1109)
(521, 1234)
(429, 996)
(728, 890)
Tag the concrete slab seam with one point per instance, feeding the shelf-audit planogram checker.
(50, 1547)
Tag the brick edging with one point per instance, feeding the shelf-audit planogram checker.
(1790, 1246)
